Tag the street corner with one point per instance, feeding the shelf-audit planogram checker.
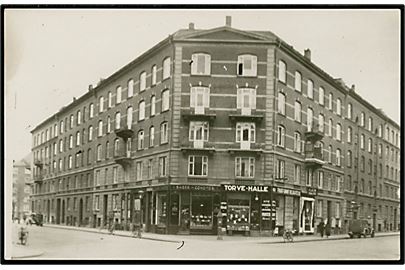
(22, 252)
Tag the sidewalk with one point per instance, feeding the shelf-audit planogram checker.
(19, 251)
(180, 238)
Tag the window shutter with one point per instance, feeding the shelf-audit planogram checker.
(192, 97)
(207, 64)
(194, 59)
(206, 97)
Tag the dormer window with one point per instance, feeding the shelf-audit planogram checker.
(247, 65)
(201, 64)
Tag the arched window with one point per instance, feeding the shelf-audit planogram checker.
(99, 152)
(321, 96)
(118, 95)
(280, 135)
(298, 81)
(282, 71)
(141, 110)
(116, 147)
(130, 88)
(101, 104)
(152, 105)
(118, 120)
(338, 107)
(140, 139)
(281, 103)
(166, 68)
(297, 111)
(108, 124)
(91, 111)
(310, 89)
(349, 158)
(100, 128)
(78, 138)
(154, 71)
(165, 100)
(349, 111)
(142, 81)
(90, 133)
(164, 133)
(109, 99)
(151, 136)
(338, 132)
(297, 142)
(129, 117)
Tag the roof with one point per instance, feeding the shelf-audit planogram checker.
(25, 162)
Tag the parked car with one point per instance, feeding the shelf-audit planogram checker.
(36, 219)
(360, 227)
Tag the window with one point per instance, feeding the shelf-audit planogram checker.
(321, 122)
(77, 138)
(280, 173)
(310, 177)
(55, 130)
(91, 111)
(370, 166)
(61, 127)
(349, 134)
(142, 81)
(338, 156)
(380, 150)
(245, 132)
(151, 136)
(101, 104)
(247, 65)
(165, 100)
(246, 100)
(115, 175)
(109, 99)
(150, 168)
(338, 132)
(118, 95)
(78, 118)
(107, 150)
(244, 167)
(166, 68)
(118, 120)
(201, 64)
(198, 131)
(162, 166)
(297, 174)
(100, 128)
(70, 162)
(70, 141)
(310, 89)
(140, 139)
(282, 71)
(298, 81)
(362, 189)
(349, 111)
(139, 169)
(152, 105)
(370, 124)
(362, 119)
(281, 103)
(310, 118)
(130, 88)
(337, 215)
(164, 133)
(116, 147)
(380, 130)
(60, 146)
(320, 179)
(129, 117)
(321, 96)
(362, 141)
(297, 142)
(349, 158)
(198, 166)
(338, 107)
(108, 124)
(319, 208)
(330, 153)
(89, 156)
(280, 136)
(362, 163)
(370, 145)
(154, 71)
(141, 115)
(297, 111)
(99, 152)
(330, 101)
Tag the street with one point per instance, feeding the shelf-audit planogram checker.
(68, 244)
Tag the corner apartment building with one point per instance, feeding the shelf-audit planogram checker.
(208, 126)
(21, 188)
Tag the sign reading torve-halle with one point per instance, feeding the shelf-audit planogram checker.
(246, 188)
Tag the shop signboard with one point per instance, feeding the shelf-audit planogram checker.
(266, 210)
(246, 188)
(195, 187)
(286, 191)
(311, 191)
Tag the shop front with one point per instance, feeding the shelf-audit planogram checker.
(286, 209)
(307, 211)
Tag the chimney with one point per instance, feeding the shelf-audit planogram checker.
(307, 54)
(74, 99)
(228, 21)
(353, 87)
(90, 87)
(191, 26)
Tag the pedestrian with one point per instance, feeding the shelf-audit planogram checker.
(327, 229)
(321, 227)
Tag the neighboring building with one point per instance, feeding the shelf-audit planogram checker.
(21, 187)
(209, 121)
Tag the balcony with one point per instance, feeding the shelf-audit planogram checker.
(197, 146)
(38, 178)
(123, 158)
(202, 114)
(314, 134)
(124, 131)
(38, 163)
(246, 117)
(313, 156)
(246, 147)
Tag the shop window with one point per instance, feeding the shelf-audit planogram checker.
(161, 209)
(201, 215)
(201, 64)
(247, 65)
(238, 213)
(244, 167)
(198, 166)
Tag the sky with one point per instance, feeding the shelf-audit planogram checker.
(52, 56)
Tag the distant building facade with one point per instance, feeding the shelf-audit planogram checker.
(218, 123)
(21, 188)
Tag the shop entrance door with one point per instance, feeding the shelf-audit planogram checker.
(63, 212)
(57, 211)
(80, 211)
(105, 205)
(184, 213)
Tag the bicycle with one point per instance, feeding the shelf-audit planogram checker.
(288, 236)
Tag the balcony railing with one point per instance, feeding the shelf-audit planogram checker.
(314, 133)
(38, 162)
(122, 157)
(199, 115)
(197, 146)
(38, 178)
(124, 131)
(246, 117)
(313, 155)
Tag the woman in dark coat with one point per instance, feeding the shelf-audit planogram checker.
(327, 229)
(321, 227)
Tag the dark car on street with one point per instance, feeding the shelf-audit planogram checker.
(360, 227)
(36, 219)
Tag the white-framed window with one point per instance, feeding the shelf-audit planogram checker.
(280, 136)
(281, 103)
(349, 134)
(99, 152)
(130, 88)
(108, 124)
(330, 106)
(245, 132)
(330, 128)
(60, 146)
(297, 173)
(282, 71)
(166, 68)
(199, 131)
(320, 179)
(330, 153)
(338, 157)
(349, 158)
(297, 111)
(129, 117)
(164, 135)
(78, 118)
(141, 137)
(116, 147)
(142, 81)
(338, 132)
(199, 98)
(247, 65)
(162, 166)
(245, 167)
(298, 81)
(310, 89)
(362, 119)
(246, 99)
(139, 169)
(310, 119)
(115, 175)
(370, 145)
(280, 172)
(309, 178)
(55, 148)
(101, 104)
(61, 127)
(197, 165)
(349, 111)
(70, 162)
(321, 122)
(55, 130)
(141, 115)
(370, 124)
(118, 95)
(109, 99)
(72, 119)
(297, 142)
(165, 100)
(97, 202)
(150, 168)
(201, 64)
(91, 111)
(152, 105)
(77, 138)
(107, 150)
(118, 120)
(362, 141)
(321, 96)
(151, 136)
(380, 150)
(154, 74)
(319, 208)
(70, 141)
(338, 107)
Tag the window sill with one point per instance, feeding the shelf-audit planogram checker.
(165, 79)
(200, 75)
(163, 143)
(141, 120)
(163, 111)
(246, 76)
